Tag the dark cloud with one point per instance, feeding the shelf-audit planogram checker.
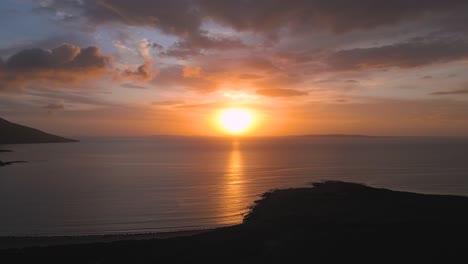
(277, 92)
(177, 17)
(132, 86)
(77, 38)
(454, 92)
(402, 55)
(68, 97)
(65, 56)
(89, 57)
(53, 107)
(185, 16)
(197, 43)
(155, 45)
(338, 15)
(258, 63)
(65, 64)
(63, 10)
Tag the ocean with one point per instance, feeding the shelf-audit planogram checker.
(159, 184)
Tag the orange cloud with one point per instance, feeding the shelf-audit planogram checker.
(280, 92)
(143, 73)
(191, 72)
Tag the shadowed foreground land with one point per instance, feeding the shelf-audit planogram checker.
(332, 222)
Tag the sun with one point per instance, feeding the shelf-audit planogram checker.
(236, 121)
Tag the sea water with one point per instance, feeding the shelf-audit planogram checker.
(158, 184)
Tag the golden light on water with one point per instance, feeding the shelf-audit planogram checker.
(233, 200)
(236, 121)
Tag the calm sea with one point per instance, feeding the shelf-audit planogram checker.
(166, 184)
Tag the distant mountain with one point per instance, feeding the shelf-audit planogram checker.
(11, 133)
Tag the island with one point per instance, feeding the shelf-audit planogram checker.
(337, 136)
(11, 133)
(6, 163)
(328, 222)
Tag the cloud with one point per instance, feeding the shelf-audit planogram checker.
(77, 38)
(168, 103)
(402, 55)
(143, 73)
(258, 63)
(88, 58)
(247, 76)
(65, 64)
(202, 106)
(337, 15)
(190, 72)
(455, 92)
(277, 92)
(132, 86)
(144, 47)
(176, 17)
(198, 42)
(266, 16)
(171, 77)
(54, 107)
(64, 57)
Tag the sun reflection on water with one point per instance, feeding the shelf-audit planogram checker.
(233, 204)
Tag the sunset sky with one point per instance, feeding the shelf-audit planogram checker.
(142, 67)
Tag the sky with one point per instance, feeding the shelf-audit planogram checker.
(152, 67)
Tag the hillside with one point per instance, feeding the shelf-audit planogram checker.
(11, 133)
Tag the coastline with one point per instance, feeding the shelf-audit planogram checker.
(331, 222)
(18, 242)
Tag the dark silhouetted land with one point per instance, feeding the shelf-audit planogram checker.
(333, 222)
(11, 133)
(337, 136)
(6, 163)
